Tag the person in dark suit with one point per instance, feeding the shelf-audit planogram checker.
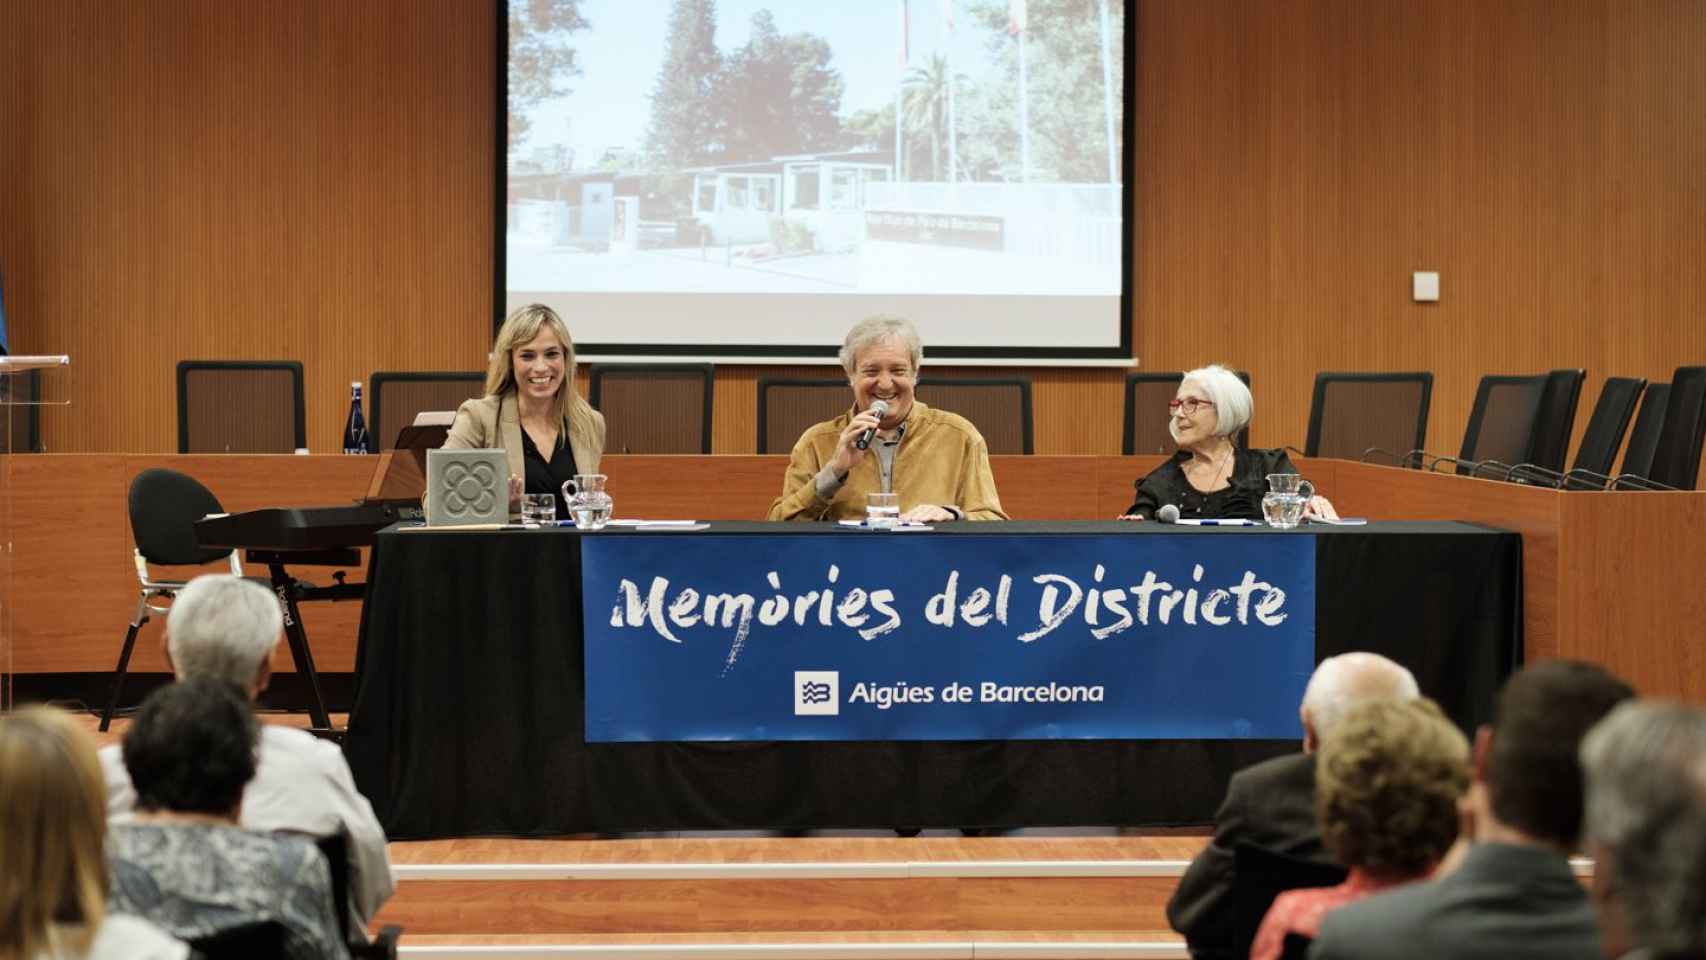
(1510, 894)
(1272, 804)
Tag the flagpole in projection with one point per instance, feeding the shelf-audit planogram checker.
(948, 65)
(1016, 26)
(899, 98)
(1108, 97)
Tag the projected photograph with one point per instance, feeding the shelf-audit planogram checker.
(840, 147)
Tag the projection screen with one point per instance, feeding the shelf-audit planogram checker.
(722, 178)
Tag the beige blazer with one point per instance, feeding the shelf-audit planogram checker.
(494, 423)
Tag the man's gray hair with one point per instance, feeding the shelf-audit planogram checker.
(1645, 771)
(223, 628)
(1231, 398)
(1350, 679)
(875, 329)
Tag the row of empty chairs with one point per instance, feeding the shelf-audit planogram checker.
(1519, 428)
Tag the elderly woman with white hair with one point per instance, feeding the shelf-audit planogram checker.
(934, 460)
(1211, 477)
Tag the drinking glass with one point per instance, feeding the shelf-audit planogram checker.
(882, 511)
(1282, 506)
(540, 508)
(589, 504)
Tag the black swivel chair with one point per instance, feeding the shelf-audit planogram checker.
(788, 405)
(1146, 397)
(164, 505)
(394, 398)
(999, 407)
(1644, 438)
(1353, 416)
(240, 406)
(1260, 875)
(653, 407)
(1597, 452)
(1503, 425)
(1557, 419)
(1676, 459)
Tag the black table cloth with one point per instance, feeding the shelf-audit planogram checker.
(468, 716)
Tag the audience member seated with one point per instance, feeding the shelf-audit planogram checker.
(53, 865)
(1387, 784)
(1272, 804)
(1511, 895)
(225, 628)
(1210, 477)
(935, 461)
(1645, 766)
(182, 862)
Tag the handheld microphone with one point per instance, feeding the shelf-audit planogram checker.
(879, 408)
(1169, 513)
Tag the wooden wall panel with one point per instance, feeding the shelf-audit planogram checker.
(313, 181)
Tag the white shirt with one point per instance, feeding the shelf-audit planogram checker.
(123, 937)
(302, 784)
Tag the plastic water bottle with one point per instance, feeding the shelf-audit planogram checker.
(356, 437)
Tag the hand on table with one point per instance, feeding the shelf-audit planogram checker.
(927, 513)
(516, 486)
(1320, 507)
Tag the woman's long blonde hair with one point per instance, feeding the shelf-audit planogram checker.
(521, 326)
(53, 828)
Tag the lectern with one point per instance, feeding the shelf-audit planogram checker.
(10, 396)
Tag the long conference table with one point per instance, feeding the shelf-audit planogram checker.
(470, 713)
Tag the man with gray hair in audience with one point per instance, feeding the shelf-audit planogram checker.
(1272, 804)
(225, 628)
(1645, 825)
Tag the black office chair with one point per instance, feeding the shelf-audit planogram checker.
(653, 407)
(335, 849)
(999, 407)
(1146, 417)
(240, 406)
(257, 940)
(788, 405)
(1557, 419)
(394, 398)
(1591, 470)
(20, 395)
(1643, 438)
(1258, 876)
(1353, 416)
(1502, 426)
(164, 506)
(1676, 459)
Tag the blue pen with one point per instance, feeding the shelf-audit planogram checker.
(1225, 523)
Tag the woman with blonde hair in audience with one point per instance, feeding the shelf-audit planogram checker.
(1387, 784)
(53, 865)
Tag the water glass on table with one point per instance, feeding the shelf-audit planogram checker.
(1282, 506)
(538, 508)
(882, 511)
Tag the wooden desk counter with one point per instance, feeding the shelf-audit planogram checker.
(1615, 578)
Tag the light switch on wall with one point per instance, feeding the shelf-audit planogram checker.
(1424, 287)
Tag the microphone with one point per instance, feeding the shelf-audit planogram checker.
(1168, 513)
(879, 408)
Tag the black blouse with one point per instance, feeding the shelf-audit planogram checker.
(1242, 499)
(548, 476)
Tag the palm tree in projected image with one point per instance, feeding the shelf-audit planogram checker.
(924, 104)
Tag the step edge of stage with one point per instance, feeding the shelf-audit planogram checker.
(850, 949)
(870, 870)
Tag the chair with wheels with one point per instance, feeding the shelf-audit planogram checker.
(240, 406)
(1355, 415)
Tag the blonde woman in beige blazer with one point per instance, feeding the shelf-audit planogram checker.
(531, 410)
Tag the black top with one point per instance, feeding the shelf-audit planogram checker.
(549, 476)
(1241, 499)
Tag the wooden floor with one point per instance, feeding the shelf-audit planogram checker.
(864, 895)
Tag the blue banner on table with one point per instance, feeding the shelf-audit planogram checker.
(857, 636)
